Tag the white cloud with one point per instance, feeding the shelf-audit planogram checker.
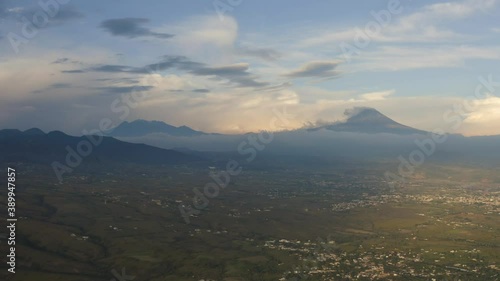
(373, 96)
(318, 69)
(15, 10)
(427, 24)
(484, 118)
(21, 76)
(398, 58)
(204, 37)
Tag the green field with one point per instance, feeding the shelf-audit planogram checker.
(274, 225)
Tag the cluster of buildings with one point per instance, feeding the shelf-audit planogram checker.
(326, 261)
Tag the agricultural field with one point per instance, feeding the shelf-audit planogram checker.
(294, 225)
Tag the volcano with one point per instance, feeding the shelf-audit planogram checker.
(141, 127)
(370, 121)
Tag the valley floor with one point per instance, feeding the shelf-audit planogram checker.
(265, 225)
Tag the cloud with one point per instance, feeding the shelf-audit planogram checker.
(484, 117)
(205, 31)
(59, 86)
(15, 10)
(66, 61)
(398, 58)
(167, 62)
(448, 11)
(65, 14)
(373, 96)
(114, 68)
(53, 86)
(61, 60)
(124, 80)
(204, 38)
(318, 69)
(277, 87)
(351, 112)
(73, 71)
(262, 53)
(124, 89)
(6, 11)
(131, 28)
(201, 90)
(429, 24)
(236, 74)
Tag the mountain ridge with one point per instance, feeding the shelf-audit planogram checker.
(34, 145)
(371, 121)
(141, 127)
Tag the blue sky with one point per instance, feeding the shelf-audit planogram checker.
(225, 69)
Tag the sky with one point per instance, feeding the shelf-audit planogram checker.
(228, 66)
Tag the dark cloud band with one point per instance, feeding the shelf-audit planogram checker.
(316, 69)
(131, 28)
(236, 74)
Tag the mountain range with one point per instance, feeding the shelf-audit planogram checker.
(366, 134)
(34, 145)
(360, 120)
(142, 127)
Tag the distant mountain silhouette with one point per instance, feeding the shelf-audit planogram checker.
(34, 145)
(371, 121)
(139, 128)
(34, 132)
